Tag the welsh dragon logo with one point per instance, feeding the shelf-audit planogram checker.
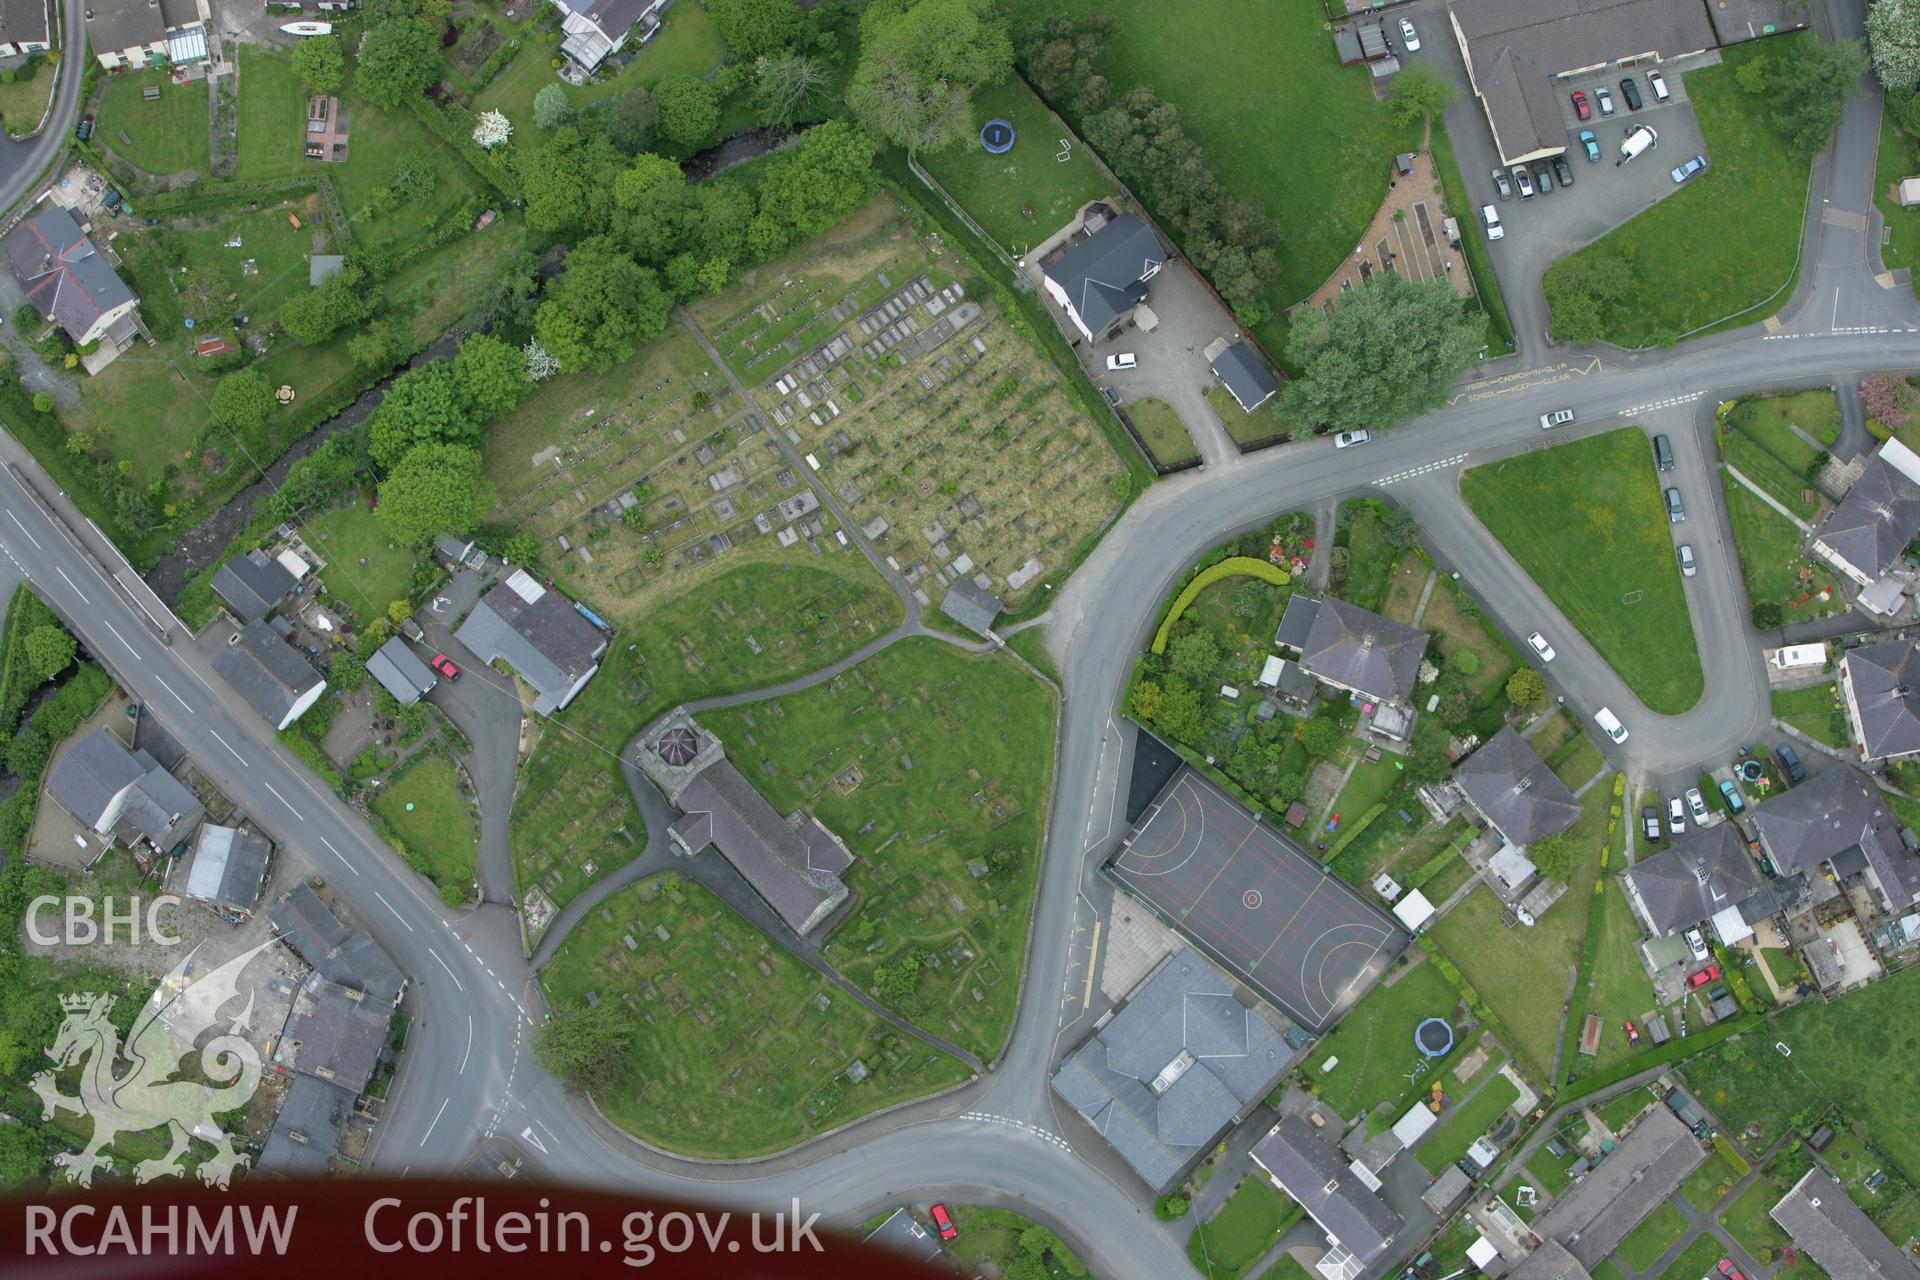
(149, 1094)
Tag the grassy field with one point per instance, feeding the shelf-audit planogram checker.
(997, 1238)
(1457, 1131)
(24, 102)
(1024, 195)
(166, 136)
(1814, 711)
(1161, 428)
(1242, 1230)
(425, 808)
(1772, 561)
(1644, 1245)
(364, 566)
(738, 1048)
(934, 766)
(1312, 144)
(1374, 1043)
(1897, 159)
(1729, 239)
(1618, 987)
(1587, 522)
(273, 113)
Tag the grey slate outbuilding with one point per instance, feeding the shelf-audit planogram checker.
(1305, 1166)
(971, 605)
(1881, 683)
(539, 633)
(400, 672)
(229, 868)
(1513, 788)
(306, 1134)
(1354, 648)
(269, 674)
(252, 585)
(1245, 375)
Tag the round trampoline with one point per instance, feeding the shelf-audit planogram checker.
(1752, 771)
(1433, 1038)
(996, 135)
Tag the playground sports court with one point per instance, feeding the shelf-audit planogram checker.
(1301, 937)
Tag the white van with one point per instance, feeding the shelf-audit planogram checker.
(1610, 724)
(1639, 140)
(1491, 217)
(1796, 657)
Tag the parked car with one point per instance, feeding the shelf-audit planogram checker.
(1676, 509)
(1697, 806)
(1542, 176)
(1409, 37)
(1605, 100)
(943, 1220)
(1677, 816)
(1730, 791)
(1630, 92)
(1347, 439)
(1730, 1271)
(1563, 171)
(1633, 1032)
(1540, 646)
(1790, 763)
(1592, 144)
(1581, 107)
(1706, 975)
(1123, 360)
(1687, 566)
(1638, 140)
(1501, 184)
(1696, 942)
(1523, 181)
(85, 129)
(1650, 824)
(1663, 453)
(444, 665)
(1610, 724)
(1490, 218)
(1659, 85)
(1696, 165)
(1558, 418)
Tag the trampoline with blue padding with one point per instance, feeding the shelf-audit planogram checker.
(1434, 1038)
(996, 135)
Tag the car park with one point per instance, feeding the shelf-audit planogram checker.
(1706, 975)
(1650, 824)
(1731, 794)
(1694, 166)
(1696, 941)
(1630, 93)
(1539, 645)
(1605, 100)
(1524, 181)
(1581, 107)
(1490, 218)
(1501, 184)
(1558, 418)
(1687, 567)
(1347, 439)
(1592, 145)
(1677, 816)
(1790, 763)
(1663, 453)
(1697, 806)
(1409, 37)
(1658, 83)
(1610, 724)
(1123, 360)
(1638, 140)
(1542, 177)
(1676, 509)
(1563, 171)
(444, 665)
(943, 1220)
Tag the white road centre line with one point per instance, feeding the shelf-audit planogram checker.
(123, 640)
(389, 906)
(30, 538)
(339, 855)
(457, 983)
(70, 582)
(464, 1056)
(229, 746)
(436, 1120)
(283, 800)
(176, 696)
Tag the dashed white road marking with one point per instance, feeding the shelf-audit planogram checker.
(457, 983)
(343, 857)
(1410, 473)
(123, 640)
(283, 800)
(70, 582)
(1021, 1125)
(1669, 403)
(30, 538)
(229, 746)
(176, 696)
(389, 906)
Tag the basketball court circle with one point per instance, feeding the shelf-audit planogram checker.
(1302, 938)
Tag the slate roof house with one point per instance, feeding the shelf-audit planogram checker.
(1352, 648)
(1520, 53)
(971, 605)
(540, 634)
(400, 672)
(1839, 819)
(1594, 1215)
(142, 33)
(348, 957)
(307, 1132)
(229, 869)
(67, 280)
(1181, 1061)
(1515, 791)
(1880, 688)
(253, 585)
(1245, 375)
(592, 29)
(1360, 1226)
(1830, 1228)
(269, 674)
(1099, 281)
(1703, 877)
(334, 1033)
(1870, 530)
(159, 810)
(93, 778)
(24, 27)
(1550, 1261)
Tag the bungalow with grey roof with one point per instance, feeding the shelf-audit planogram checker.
(1514, 790)
(70, 282)
(24, 27)
(1704, 877)
(1100, 280)
(1360, 1227)
(1870, 530)
(540, 634)
(1352, 648)
(93, 778)
(1880, 689)
(1839, 820)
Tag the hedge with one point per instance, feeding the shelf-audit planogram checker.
(1477, 1006)
(18, 679)
(1360, 824)
(1671, 1051)
(77, 699)
(1731, 1154)
(1232, 566)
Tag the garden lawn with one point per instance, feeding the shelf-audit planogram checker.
(1618, 987)
(24, 102)
(1374, 1042)
(738, 1048)
(272, 120)
(1699, 1259)
(365, 568)
(1644, 1245)
(1703, 1186)
(1285, 1268)
(999, 190)
(1898, 159)
(1264, 426)
(1158, 425)
(1791, 489)
(993, 1237)
(1729, 239)
(1814, 711)
(1772, 419)
(1771, 557)
(437, 825)
(1748, 1219)
(1242, 1230)
(1362, 530)
(1587, 522)
(1450, 1140)
(934, 766)
(165, 136)
(1279, 118)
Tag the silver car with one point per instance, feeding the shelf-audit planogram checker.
(1687, 566)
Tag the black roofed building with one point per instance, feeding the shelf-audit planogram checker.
(306, 1134)
(1514, 790)
(971, 605)
(93, 778)
(540, 634)
(269, 674)
(1828, 1227)
(334, 1033)
(1359, 1225)
(1880, 688)
(348, 957)
(400, 672)
(1181, 1061)
(253, 585)
(1870, 530)
(1100, 280)
(1596, 1213)
(1839, 820)
(24, 27)
(1705, 877)
(68, 281)
(160, 810)
(1520, 53)
(1352, 648)
(229, 869)
(1245, 375)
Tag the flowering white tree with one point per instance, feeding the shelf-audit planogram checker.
(492, 129)
(541, 365)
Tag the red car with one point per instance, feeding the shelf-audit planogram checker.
(1730, 1271)
(944, 1221)
(1705, 976)
(1633, 1032)
(444, 665)
(1580, 107)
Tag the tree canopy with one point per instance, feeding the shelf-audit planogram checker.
(50, 650)
(490, 375)
(398, 59)
(320, 63)
(586, 1048)
(1387, 353)
(551, 109)
(1893, 33)
(689, 108)
(920, 61)
(243, 400)
(1582, 287)
(601, 308)
(631, 122)
(754, 27)
(435, 488)
(423, 406)
(1419, 93)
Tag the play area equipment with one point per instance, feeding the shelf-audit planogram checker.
(1434, 1037)
(997, 136)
